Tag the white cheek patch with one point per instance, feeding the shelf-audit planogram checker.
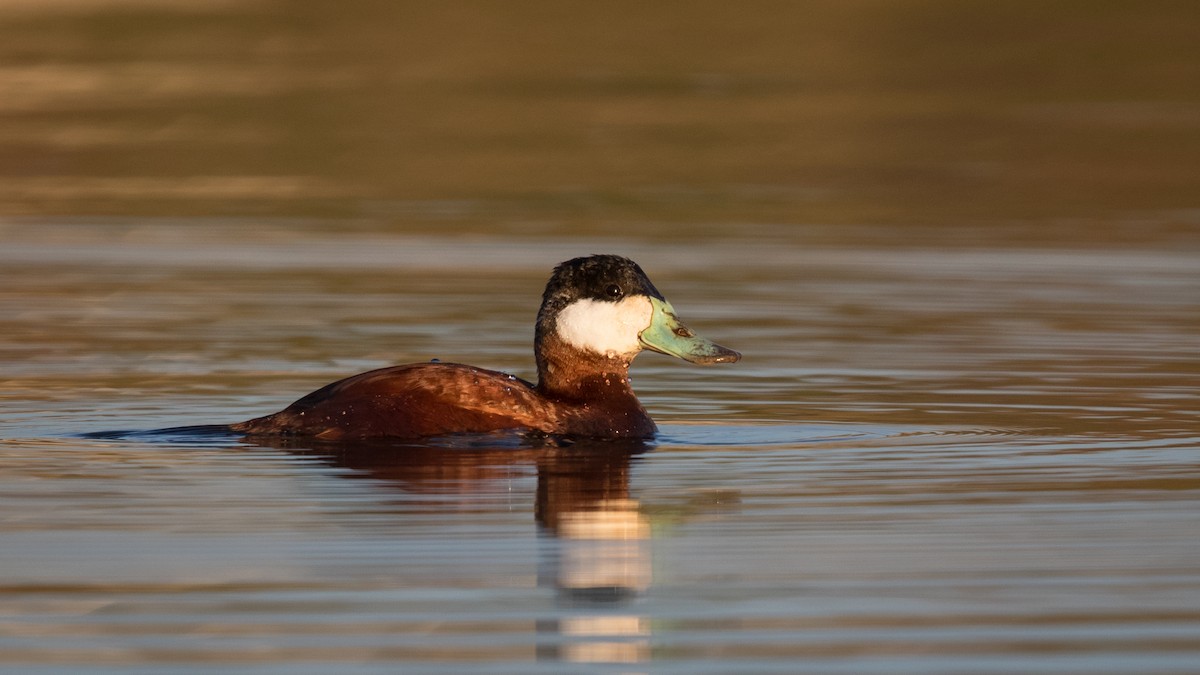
(609, 328)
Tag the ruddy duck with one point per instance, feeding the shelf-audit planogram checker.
(597, 314)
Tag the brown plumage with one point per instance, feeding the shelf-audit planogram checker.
(582, 389)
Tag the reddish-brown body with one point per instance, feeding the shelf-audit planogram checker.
(434, 399)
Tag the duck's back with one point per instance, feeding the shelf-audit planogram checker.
(412, 401)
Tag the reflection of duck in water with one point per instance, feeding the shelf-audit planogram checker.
(597, 314)
(596, 532)
(594, 551)
(580, 477)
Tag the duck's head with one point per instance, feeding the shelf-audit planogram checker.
(605, 306)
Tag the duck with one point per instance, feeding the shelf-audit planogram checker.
(597, 314)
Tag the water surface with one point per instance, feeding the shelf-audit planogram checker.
(930, 460)
(957, 243)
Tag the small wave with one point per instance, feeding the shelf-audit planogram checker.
(772, 434)
(186, 434)
(983, 432)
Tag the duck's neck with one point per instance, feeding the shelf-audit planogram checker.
(599, 398)
(568, 373)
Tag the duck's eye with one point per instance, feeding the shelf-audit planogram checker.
(614, 291)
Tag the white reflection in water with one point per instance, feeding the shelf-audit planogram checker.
(598, 559)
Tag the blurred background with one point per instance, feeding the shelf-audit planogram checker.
(1075, 119)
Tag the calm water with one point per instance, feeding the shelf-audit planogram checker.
(959, 247)
(930, 460)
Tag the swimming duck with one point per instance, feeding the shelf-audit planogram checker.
(597, 314)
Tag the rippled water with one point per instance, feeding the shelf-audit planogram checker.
(932, 459)
(957, 243)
